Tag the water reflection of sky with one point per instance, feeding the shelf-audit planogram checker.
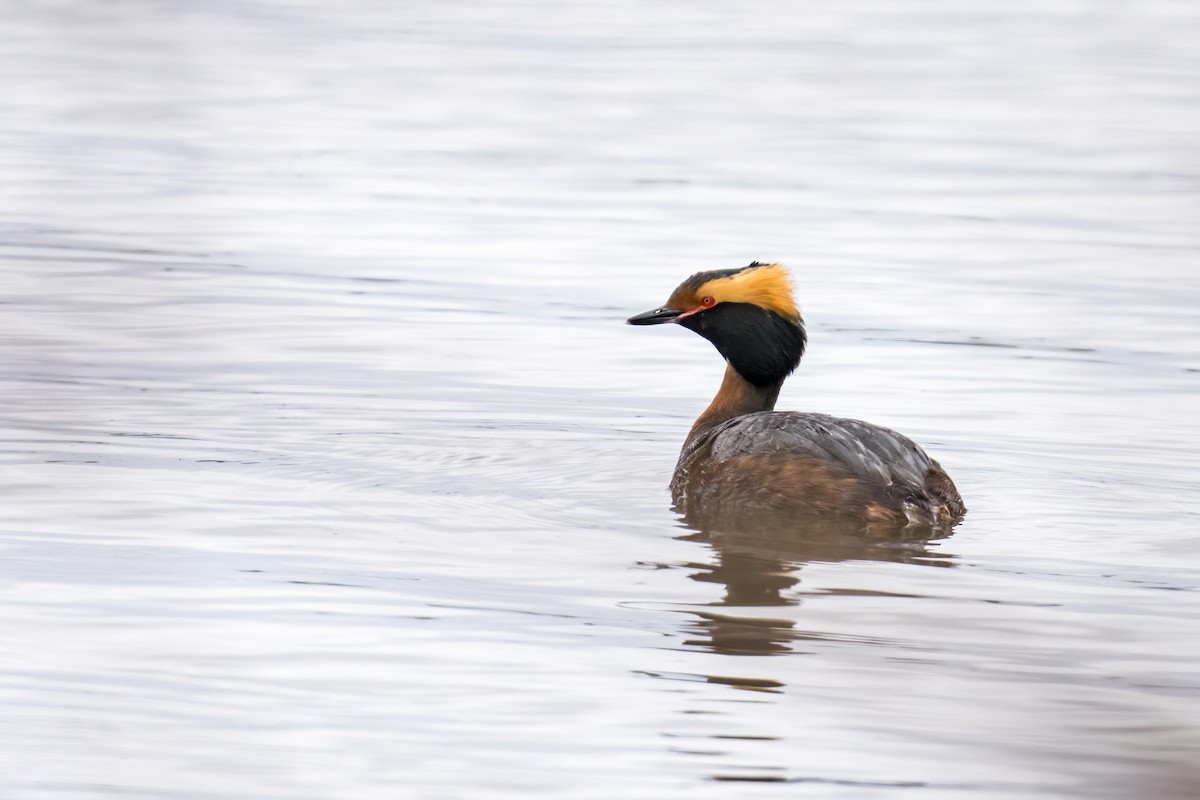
(330, 470)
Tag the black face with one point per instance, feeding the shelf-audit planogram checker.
(761, 345)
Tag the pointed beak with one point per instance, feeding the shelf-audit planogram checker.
(656, 317)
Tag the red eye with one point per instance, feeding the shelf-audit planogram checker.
(707, 301)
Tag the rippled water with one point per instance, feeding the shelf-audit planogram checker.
(331, 471)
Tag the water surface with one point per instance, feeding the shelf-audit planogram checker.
(331, 471)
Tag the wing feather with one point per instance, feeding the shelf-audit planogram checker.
(869, 452)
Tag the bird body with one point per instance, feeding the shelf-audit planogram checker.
(743, 457)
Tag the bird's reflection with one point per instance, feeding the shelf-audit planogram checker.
(758, 559)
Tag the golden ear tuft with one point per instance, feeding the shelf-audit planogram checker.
(766, 285)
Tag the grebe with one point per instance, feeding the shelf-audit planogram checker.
(741, 456)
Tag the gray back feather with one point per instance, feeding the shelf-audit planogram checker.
(869, 452)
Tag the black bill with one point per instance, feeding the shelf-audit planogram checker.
(656, 317)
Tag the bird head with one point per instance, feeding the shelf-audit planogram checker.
(748, 314)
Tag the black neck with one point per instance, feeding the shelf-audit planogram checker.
(764, 347)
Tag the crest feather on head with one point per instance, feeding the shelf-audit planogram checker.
(765, 285)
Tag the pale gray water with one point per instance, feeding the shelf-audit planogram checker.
(330, 470)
